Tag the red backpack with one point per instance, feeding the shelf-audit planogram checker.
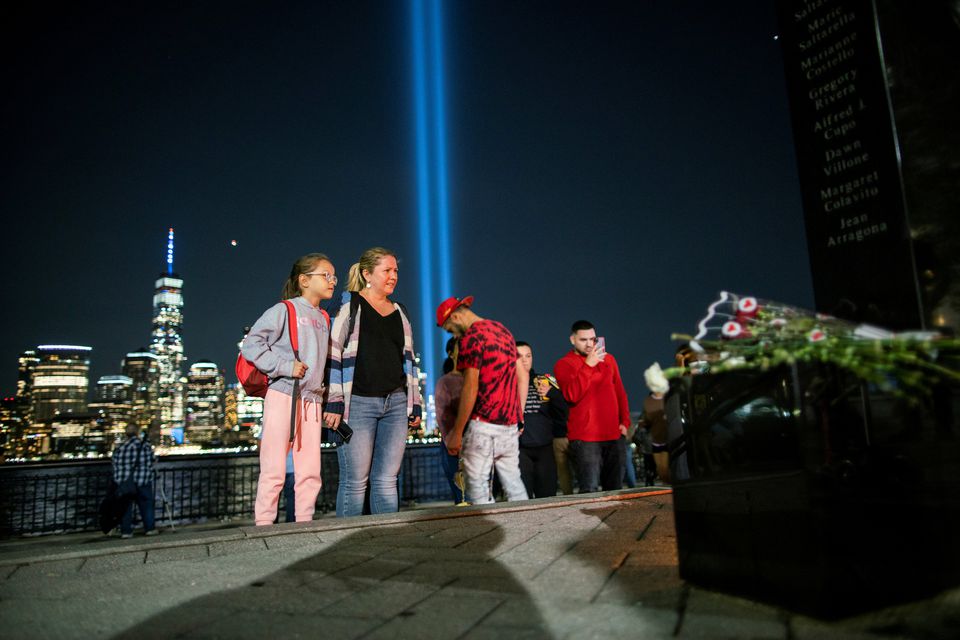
(254, 381)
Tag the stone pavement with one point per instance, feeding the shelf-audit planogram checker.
(600, 566)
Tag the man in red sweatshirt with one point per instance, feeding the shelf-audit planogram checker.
(599, 414)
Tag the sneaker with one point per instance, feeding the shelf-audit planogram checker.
(126, 535)
(152, 532)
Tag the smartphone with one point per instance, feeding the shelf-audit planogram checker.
(344, 431)
(601, 345)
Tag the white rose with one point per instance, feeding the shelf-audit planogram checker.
(656, 381)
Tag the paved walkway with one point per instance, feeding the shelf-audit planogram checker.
(598, 567)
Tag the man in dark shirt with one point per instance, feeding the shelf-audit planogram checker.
(492, 400)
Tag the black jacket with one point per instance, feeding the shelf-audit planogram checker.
(543, 420)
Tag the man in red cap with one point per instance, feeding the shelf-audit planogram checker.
(485, 432)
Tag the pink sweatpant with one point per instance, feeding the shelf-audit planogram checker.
(275, 443)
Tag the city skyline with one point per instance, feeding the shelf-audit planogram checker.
(622, 163)
(60, 413)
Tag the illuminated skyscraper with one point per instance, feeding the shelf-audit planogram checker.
(240, 429)
(144, 369)
(23, 406)
(11, 426)
(166, 343)
(60, 381)
(204, 403)
(249, 414)
(114, 390)
(113, 405)
(74, 436)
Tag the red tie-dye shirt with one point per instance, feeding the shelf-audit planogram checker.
(489, 347)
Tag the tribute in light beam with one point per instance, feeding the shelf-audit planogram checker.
(440, 147)
(427, 340)
(433, 215)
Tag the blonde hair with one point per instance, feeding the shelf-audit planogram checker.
(368, 262)
(304, 264)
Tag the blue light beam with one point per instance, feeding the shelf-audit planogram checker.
(433, 197)
(424, 236)
(440, 152)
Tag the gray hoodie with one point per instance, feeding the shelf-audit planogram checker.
(267, 346)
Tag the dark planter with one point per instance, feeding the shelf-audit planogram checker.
(807, 489)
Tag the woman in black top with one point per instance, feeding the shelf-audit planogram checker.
(544, 414)
(373, 385)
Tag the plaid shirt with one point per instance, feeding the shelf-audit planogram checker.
(125, 459)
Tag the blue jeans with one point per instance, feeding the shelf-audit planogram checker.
(450, 465)
(374, 454)
(289, 497)
(144, 500)
(598, 464)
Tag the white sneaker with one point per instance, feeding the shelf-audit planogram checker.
(152, 532)
(126, 535)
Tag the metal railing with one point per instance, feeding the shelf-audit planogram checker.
(50, 498)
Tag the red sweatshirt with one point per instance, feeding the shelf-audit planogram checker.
(598, 401)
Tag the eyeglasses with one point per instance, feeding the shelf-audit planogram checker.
(332, 279)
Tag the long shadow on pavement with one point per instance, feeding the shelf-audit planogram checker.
(435, 578)
(608, 569)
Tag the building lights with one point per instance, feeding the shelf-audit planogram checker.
(170, 251)
(62, 347)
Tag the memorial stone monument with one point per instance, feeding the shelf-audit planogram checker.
(874, 90)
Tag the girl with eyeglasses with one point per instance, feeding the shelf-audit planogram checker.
(374, 385)
(268, 346)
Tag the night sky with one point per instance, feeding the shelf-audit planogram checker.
(621, 162)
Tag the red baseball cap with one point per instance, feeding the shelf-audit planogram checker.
(449, 305)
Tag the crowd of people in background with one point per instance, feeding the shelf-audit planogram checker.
(577, 418)
(507, 429)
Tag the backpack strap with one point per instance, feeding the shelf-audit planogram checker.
(354, 306)
(292, 328)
